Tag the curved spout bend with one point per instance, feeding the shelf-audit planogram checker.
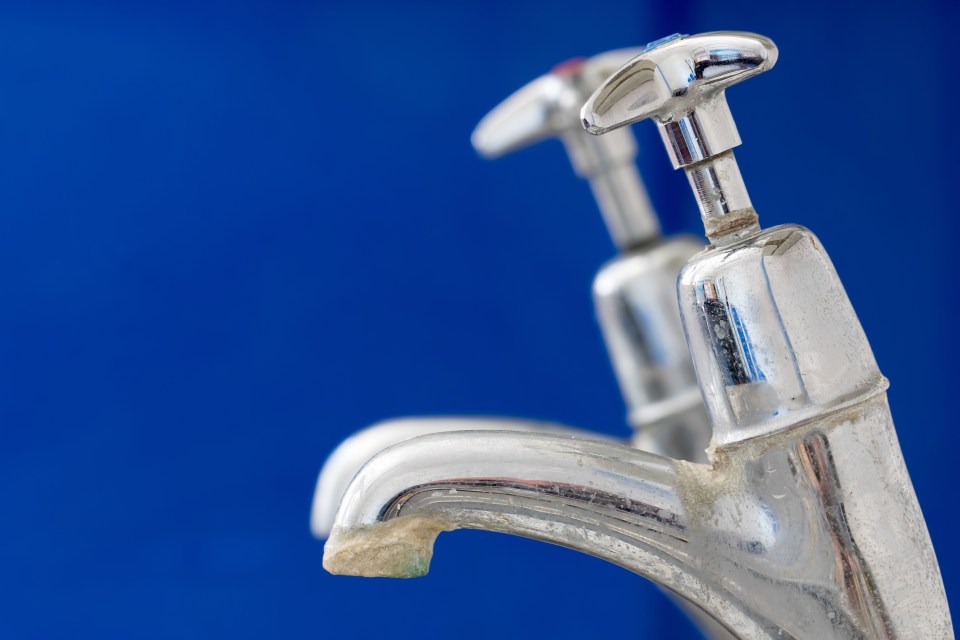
(811, 532)
(602, 498)
(347, 459)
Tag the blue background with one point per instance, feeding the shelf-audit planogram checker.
(232, 233)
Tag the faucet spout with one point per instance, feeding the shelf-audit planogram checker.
(604, 499)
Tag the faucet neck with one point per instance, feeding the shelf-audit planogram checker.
(725, 206)
(608, 163)
(702, 142)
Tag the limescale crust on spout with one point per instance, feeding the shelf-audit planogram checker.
(399, 548)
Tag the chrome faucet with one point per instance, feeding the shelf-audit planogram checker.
(633, 294)
(804, 524)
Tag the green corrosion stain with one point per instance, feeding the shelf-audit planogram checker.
(418, 566)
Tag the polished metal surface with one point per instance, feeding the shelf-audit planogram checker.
(774, 339)
(804, 524)
(723, 199)
(636, 305)
(762, 361)
(680, 83)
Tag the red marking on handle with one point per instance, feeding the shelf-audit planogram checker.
(569, 68)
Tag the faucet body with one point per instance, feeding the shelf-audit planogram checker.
(635, 301)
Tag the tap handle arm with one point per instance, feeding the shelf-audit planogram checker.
(547, 107)
(680, 82)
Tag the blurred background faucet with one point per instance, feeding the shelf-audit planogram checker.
(804, 524)
(634, 294)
